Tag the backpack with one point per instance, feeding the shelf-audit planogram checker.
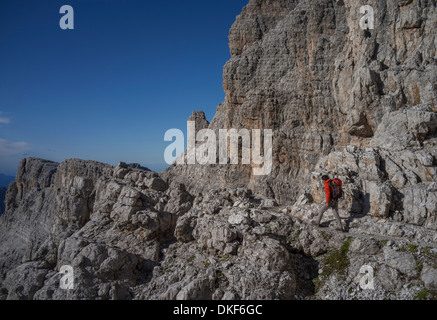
(336, 190)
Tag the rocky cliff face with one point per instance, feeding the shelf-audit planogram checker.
(306, 70)
(360, 105)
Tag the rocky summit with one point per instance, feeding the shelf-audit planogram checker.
(355, 103)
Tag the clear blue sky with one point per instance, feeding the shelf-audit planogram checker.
(109, 89)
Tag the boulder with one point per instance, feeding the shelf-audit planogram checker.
(429, 277)
(404, 262)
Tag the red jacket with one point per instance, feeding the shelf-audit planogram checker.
(328, 191)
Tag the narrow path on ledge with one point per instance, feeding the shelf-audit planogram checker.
(356, 232)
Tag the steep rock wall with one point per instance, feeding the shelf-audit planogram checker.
(308, 71)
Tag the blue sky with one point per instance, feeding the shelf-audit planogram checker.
(109, 89)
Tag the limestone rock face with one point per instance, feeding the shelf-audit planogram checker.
(308, 71)
(119, 227)
(383, 183)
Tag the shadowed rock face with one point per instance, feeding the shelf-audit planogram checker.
(354, 104)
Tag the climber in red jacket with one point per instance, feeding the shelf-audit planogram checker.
(331, 202)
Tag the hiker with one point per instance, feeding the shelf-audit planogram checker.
(333, 194)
